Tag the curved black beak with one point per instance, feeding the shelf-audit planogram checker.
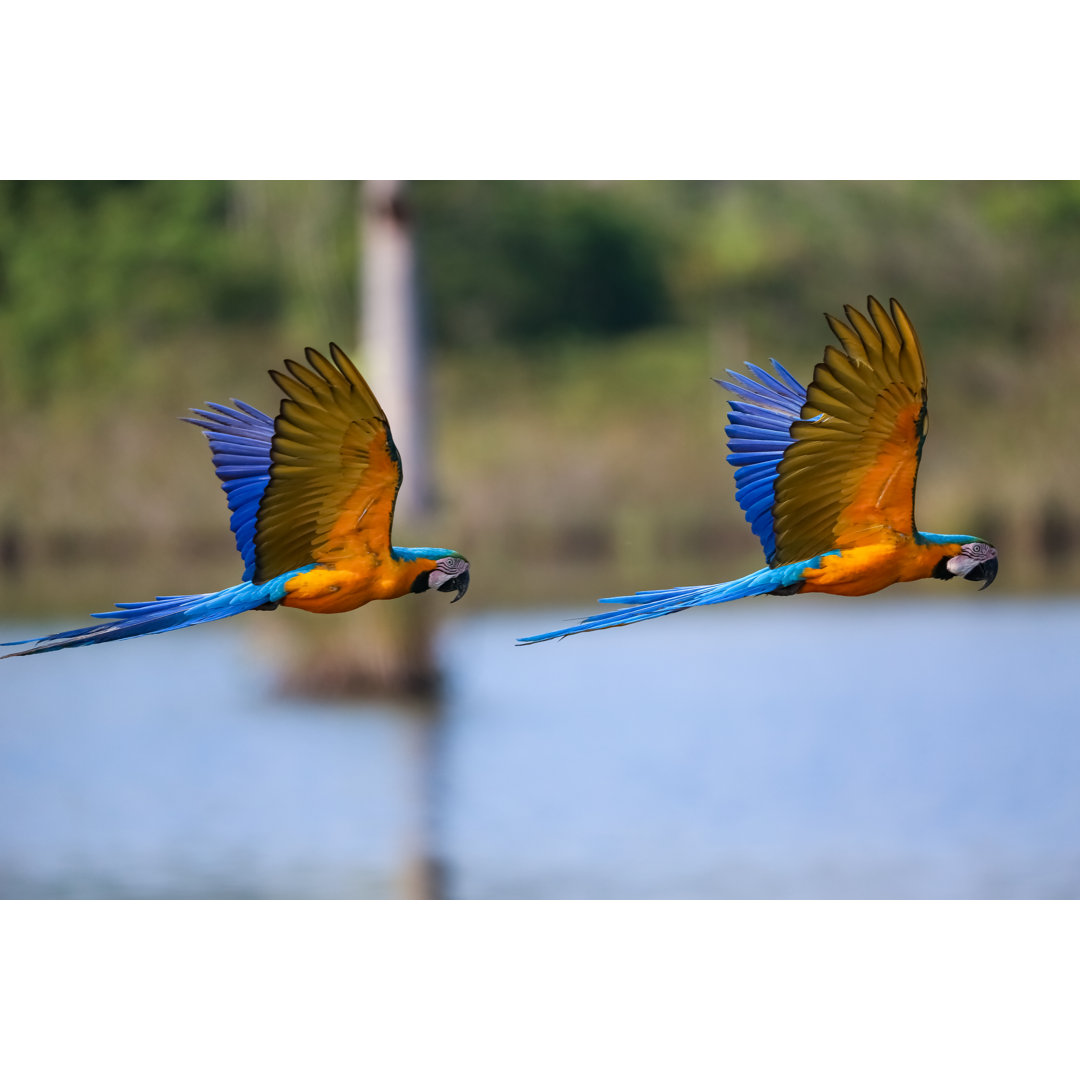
(984, 572)
(461, 583)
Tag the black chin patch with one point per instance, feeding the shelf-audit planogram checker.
(421, 582)
(941, 571)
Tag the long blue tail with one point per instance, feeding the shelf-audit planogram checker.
(653, 603)
(157, 616)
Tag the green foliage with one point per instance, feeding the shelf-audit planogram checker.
(92, 271)
(532, 263)
(93, 274)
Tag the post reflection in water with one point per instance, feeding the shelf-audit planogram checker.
(804, 749)
(423, 874)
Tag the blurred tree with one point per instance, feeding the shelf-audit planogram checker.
(304, 234)
(91, 270)
(533, 262)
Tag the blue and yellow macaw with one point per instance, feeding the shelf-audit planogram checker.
(826, 478)
(312, 496)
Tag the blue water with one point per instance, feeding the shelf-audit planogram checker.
(800, 748)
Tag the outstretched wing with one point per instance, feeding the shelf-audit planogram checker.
(758, 432)
(334, 472)
(240, 445)
(850, 470)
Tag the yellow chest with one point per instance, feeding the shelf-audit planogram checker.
(870, 567)
(329, 590)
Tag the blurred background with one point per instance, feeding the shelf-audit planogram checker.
(918, 743)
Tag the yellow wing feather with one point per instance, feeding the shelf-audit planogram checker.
(334, 473)
(850, 473)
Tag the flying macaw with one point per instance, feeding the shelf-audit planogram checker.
(312, 496)
(826, 478)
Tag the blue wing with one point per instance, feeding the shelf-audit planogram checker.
(240, 446)
(759, 431)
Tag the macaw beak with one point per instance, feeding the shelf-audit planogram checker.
(461, 583)
(984, 572)
(974, 569)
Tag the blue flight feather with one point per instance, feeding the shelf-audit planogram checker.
(759, 432)
(240, 446)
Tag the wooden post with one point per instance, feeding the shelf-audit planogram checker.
(392, 358)
(390, 332)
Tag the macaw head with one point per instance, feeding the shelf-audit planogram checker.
(450, 574)
(976, 561)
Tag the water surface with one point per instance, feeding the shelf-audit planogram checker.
(802, 748)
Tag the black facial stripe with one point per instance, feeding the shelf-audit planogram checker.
(421, 582)
(941, 571)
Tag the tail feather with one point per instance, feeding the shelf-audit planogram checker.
(653, 603)
(653, 595)
(157, 616)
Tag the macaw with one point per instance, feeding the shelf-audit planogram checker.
(312, 496)
(826, 478)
